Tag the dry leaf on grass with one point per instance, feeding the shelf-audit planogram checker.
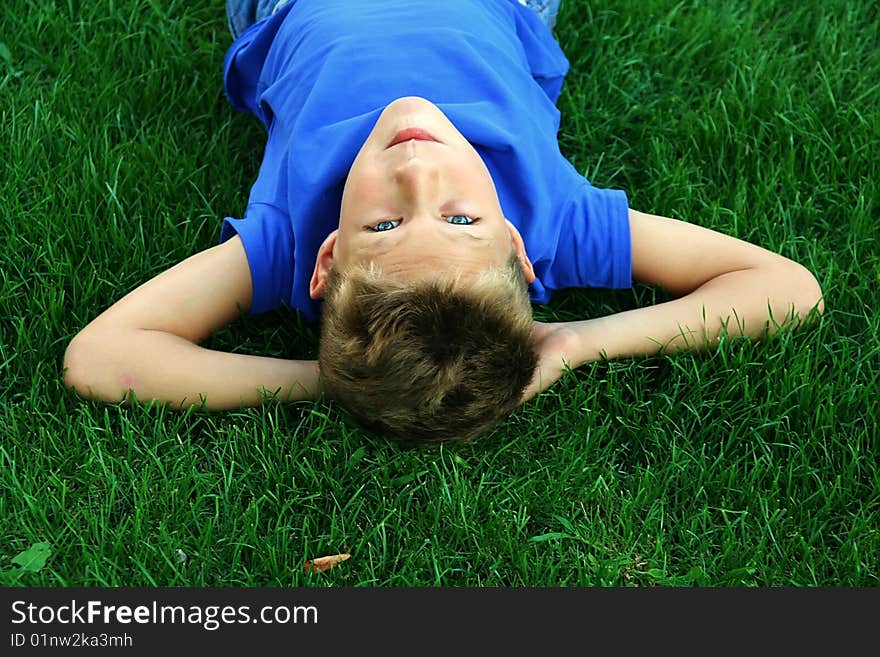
(326, 563)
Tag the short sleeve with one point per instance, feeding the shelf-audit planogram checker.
(266, 230)
(267, 237)
(594, 247)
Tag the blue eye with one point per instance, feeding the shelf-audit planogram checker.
(390, 224)
(382, 226)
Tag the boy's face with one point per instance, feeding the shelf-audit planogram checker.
(419, 207)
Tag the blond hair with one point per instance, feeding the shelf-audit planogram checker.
(427, 361)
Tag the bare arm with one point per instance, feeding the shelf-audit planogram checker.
(720, 280)
(147, 342)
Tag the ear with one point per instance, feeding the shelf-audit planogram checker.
(520, 248)
(323, 263)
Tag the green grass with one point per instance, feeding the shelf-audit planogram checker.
(753, 465)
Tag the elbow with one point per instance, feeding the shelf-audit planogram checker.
(75, 365)
(808, 295)
(86, 367)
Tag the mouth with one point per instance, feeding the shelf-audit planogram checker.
(410, 134)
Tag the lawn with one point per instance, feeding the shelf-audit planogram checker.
(755, 464)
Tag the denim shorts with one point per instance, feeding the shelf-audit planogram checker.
(241, 14)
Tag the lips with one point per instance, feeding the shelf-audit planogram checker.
(411, 133)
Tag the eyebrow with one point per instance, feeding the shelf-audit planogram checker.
(458, 234)
(369, 246)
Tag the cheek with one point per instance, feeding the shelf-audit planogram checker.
(357, 189)
(360, 202)
(475, 173)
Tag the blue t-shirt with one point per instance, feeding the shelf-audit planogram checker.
(318, 74)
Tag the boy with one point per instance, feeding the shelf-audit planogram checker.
(413, 198)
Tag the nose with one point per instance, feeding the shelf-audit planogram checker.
(417, 180)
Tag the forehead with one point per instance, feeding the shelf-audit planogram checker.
(419, 267)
